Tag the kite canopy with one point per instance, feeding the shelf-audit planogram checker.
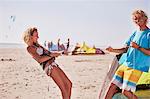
(85, 49)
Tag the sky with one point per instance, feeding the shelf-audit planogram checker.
(97, 22)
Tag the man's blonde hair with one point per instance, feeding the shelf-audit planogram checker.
(27, 34)
(141, 13)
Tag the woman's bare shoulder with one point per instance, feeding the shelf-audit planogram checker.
(31, 49)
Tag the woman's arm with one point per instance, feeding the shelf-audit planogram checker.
(55, 54)
(145, 51)
(119, 50)
(52, 54)
(40, 59)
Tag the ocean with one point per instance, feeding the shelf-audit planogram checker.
(12, 45)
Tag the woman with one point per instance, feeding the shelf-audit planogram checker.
(136, 60)
(47, 60)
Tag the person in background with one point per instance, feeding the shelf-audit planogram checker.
(68, 44)
(136, 61)
(49, 46)
(58, 44)
(47, 61)
(45, 44)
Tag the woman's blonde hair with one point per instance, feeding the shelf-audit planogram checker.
(141, 13)
(27, 34)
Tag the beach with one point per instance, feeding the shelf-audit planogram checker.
(21, 77)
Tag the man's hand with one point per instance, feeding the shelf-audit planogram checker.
(134, 45)
(110, 49)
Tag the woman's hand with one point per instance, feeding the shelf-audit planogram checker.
(134, 45)
(110, 49)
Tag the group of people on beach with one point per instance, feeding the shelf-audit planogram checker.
(136, 61)
(57, 47)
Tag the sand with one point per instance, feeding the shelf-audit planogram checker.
(21, 77)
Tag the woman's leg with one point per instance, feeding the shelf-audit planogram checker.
(66, 79)
(111, 91)
(62, 81)
(130, 95)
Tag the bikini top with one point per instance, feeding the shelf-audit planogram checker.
(40, 51)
